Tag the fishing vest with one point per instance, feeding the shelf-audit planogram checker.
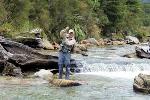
(65, 48)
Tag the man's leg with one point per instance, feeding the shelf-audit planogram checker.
(60, 65)
(67, 72)
(67, 65)
(60, 71)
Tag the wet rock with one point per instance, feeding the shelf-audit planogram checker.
(80, 51)
(142, 83)
(11, 70)
(131, 55)
(142, 53)
(82, 47)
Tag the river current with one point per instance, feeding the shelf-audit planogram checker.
(106, 74)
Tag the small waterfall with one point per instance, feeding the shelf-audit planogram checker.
(113, 67)
(109, 62)
(114, 70)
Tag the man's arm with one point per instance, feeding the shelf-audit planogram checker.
(64, 32)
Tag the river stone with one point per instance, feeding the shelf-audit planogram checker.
(82, 47)
(142, 83)
(131, 55)
(44, 74)
(132, 40)
(93, 41)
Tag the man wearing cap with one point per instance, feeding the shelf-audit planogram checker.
(68, 42)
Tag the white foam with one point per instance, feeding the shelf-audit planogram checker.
(114, 67)
(121, 74)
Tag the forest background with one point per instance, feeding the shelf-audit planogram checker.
(89, 18)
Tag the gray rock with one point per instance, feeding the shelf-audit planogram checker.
(142, 83)
(132, 40)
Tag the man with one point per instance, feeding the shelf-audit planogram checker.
(68, 42)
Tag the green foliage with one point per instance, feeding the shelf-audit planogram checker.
(89, 18)
(146, 20)
(8, 30)
(80, 35)
(3, 13)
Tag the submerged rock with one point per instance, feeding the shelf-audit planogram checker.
(142, 83)
(131, 55)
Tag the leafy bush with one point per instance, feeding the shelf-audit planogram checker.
(80, 35)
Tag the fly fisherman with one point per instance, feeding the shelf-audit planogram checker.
(66, 46)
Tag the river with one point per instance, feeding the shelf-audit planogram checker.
(107, 76)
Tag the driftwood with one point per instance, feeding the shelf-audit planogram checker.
(141, 53)
(27, 58)
(64, 82)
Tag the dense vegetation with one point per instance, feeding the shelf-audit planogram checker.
(89, 18)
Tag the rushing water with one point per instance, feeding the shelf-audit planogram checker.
(107, 76)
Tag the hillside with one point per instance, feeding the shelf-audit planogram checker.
(89, 18)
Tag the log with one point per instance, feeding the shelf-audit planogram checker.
(48, 75)
(28, 59)
(64, 82)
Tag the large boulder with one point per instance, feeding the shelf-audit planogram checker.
(142, 83)
(132, 40)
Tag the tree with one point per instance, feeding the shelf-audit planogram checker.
(134, 14)
(115, 11)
